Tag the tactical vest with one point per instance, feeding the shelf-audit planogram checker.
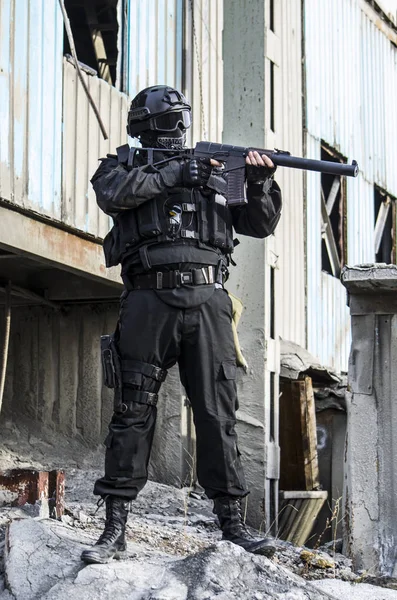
(179, 214)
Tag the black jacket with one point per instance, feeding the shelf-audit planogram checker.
(120, 190)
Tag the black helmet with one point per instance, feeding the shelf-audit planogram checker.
(159, 116)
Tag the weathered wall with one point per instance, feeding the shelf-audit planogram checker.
(54, 379)
(370, 534)
(203, 68)
(246, 120)
(54, 374)
(284, 48)
(331, 433)
(343, 111)
(154, 44)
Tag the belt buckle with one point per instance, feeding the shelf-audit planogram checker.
(159, 280)
(186, 277)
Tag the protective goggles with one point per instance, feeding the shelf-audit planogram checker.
(171, 121)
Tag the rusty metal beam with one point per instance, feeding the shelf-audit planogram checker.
(29, 294)
(41, 241)
(32, 486)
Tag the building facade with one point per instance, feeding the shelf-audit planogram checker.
(316, 79)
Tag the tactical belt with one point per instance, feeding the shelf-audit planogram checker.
(170, 279)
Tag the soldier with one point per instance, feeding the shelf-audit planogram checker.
(173, 237)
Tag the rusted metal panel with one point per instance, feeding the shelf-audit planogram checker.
(32, 486)
(56, 493)
(49, 244)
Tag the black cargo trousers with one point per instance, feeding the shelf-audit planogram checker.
(200, 340)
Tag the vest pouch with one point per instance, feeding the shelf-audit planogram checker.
(111, 247)
(203, 220)
(148, 219)
(129, 234)
(219, 224)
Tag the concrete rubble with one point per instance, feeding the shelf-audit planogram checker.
(174, 551)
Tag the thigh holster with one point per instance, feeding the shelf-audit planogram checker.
(139, 380)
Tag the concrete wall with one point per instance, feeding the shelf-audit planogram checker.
(371, 449)
(54, 381)
(54, 374)
(246, 75)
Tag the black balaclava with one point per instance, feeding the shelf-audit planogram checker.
(169, 140)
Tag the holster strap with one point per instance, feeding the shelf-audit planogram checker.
(143, 397)
(145, 368)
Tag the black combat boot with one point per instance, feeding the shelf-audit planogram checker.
(228, 510)
(112, 540)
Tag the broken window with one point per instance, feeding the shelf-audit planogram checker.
(95, 31)
(384, 235)
(333, 216)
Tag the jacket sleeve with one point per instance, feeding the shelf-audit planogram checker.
(118, 188)
(260, 216)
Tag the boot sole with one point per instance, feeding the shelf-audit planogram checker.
(95, 559)
(269, 552)
(264, 549)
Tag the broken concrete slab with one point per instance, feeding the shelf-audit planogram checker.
(43, 561)
(295, 361)
(354, 591)
(370, 278)
(121, 580)
(227, 572)
(173, 549)
(37, 556)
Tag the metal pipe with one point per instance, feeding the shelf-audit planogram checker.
(7, 329)
(79, 73)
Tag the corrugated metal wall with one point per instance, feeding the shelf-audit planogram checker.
(350, 101)
(48, 154)
(284, 49)
(31, 45)
(83, 145)
(50, 141)
(203, 69)
(154, 44)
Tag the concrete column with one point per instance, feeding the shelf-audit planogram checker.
(246, 122)
(370, 536)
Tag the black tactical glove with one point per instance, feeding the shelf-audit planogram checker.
(196, 172)
(259, 174)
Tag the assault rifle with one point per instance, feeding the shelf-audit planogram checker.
(233, 158)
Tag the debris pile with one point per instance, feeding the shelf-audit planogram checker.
(174, 551)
